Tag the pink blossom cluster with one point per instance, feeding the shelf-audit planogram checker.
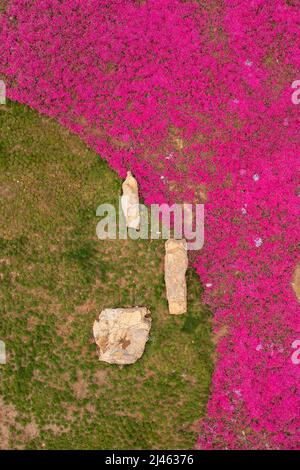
(133, 78)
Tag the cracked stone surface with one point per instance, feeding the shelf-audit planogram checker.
(121, 334)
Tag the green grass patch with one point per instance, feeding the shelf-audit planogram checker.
(55, 278)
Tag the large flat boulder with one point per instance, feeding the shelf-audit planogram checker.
(121, 334)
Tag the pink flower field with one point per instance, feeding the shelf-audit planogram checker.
(199, 93)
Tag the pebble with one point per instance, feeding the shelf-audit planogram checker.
(258, 242)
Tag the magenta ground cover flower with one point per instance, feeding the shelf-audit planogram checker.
(199, 92)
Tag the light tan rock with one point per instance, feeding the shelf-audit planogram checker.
(2, 352)
(296, 282)
(130, 202)
(176, 263)
(121, 334)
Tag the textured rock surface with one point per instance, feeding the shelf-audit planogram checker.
(296, 282)
(130, 202)
(121, 334)
(2, 352)
(176, 263)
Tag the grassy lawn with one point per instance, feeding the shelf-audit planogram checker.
(55, 278)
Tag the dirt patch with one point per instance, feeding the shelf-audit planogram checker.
(55, 429)
(101, 378)
(90, 408)
(137, 415)
(63, 329)
(8, 415)
(6, 192)
(30, 431)
(87, 307)
(8, 424)
(223, 331)
(80, 387)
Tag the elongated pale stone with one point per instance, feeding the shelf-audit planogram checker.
(2, 353)
(176, 263)
(121, 334)
(130, 202)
